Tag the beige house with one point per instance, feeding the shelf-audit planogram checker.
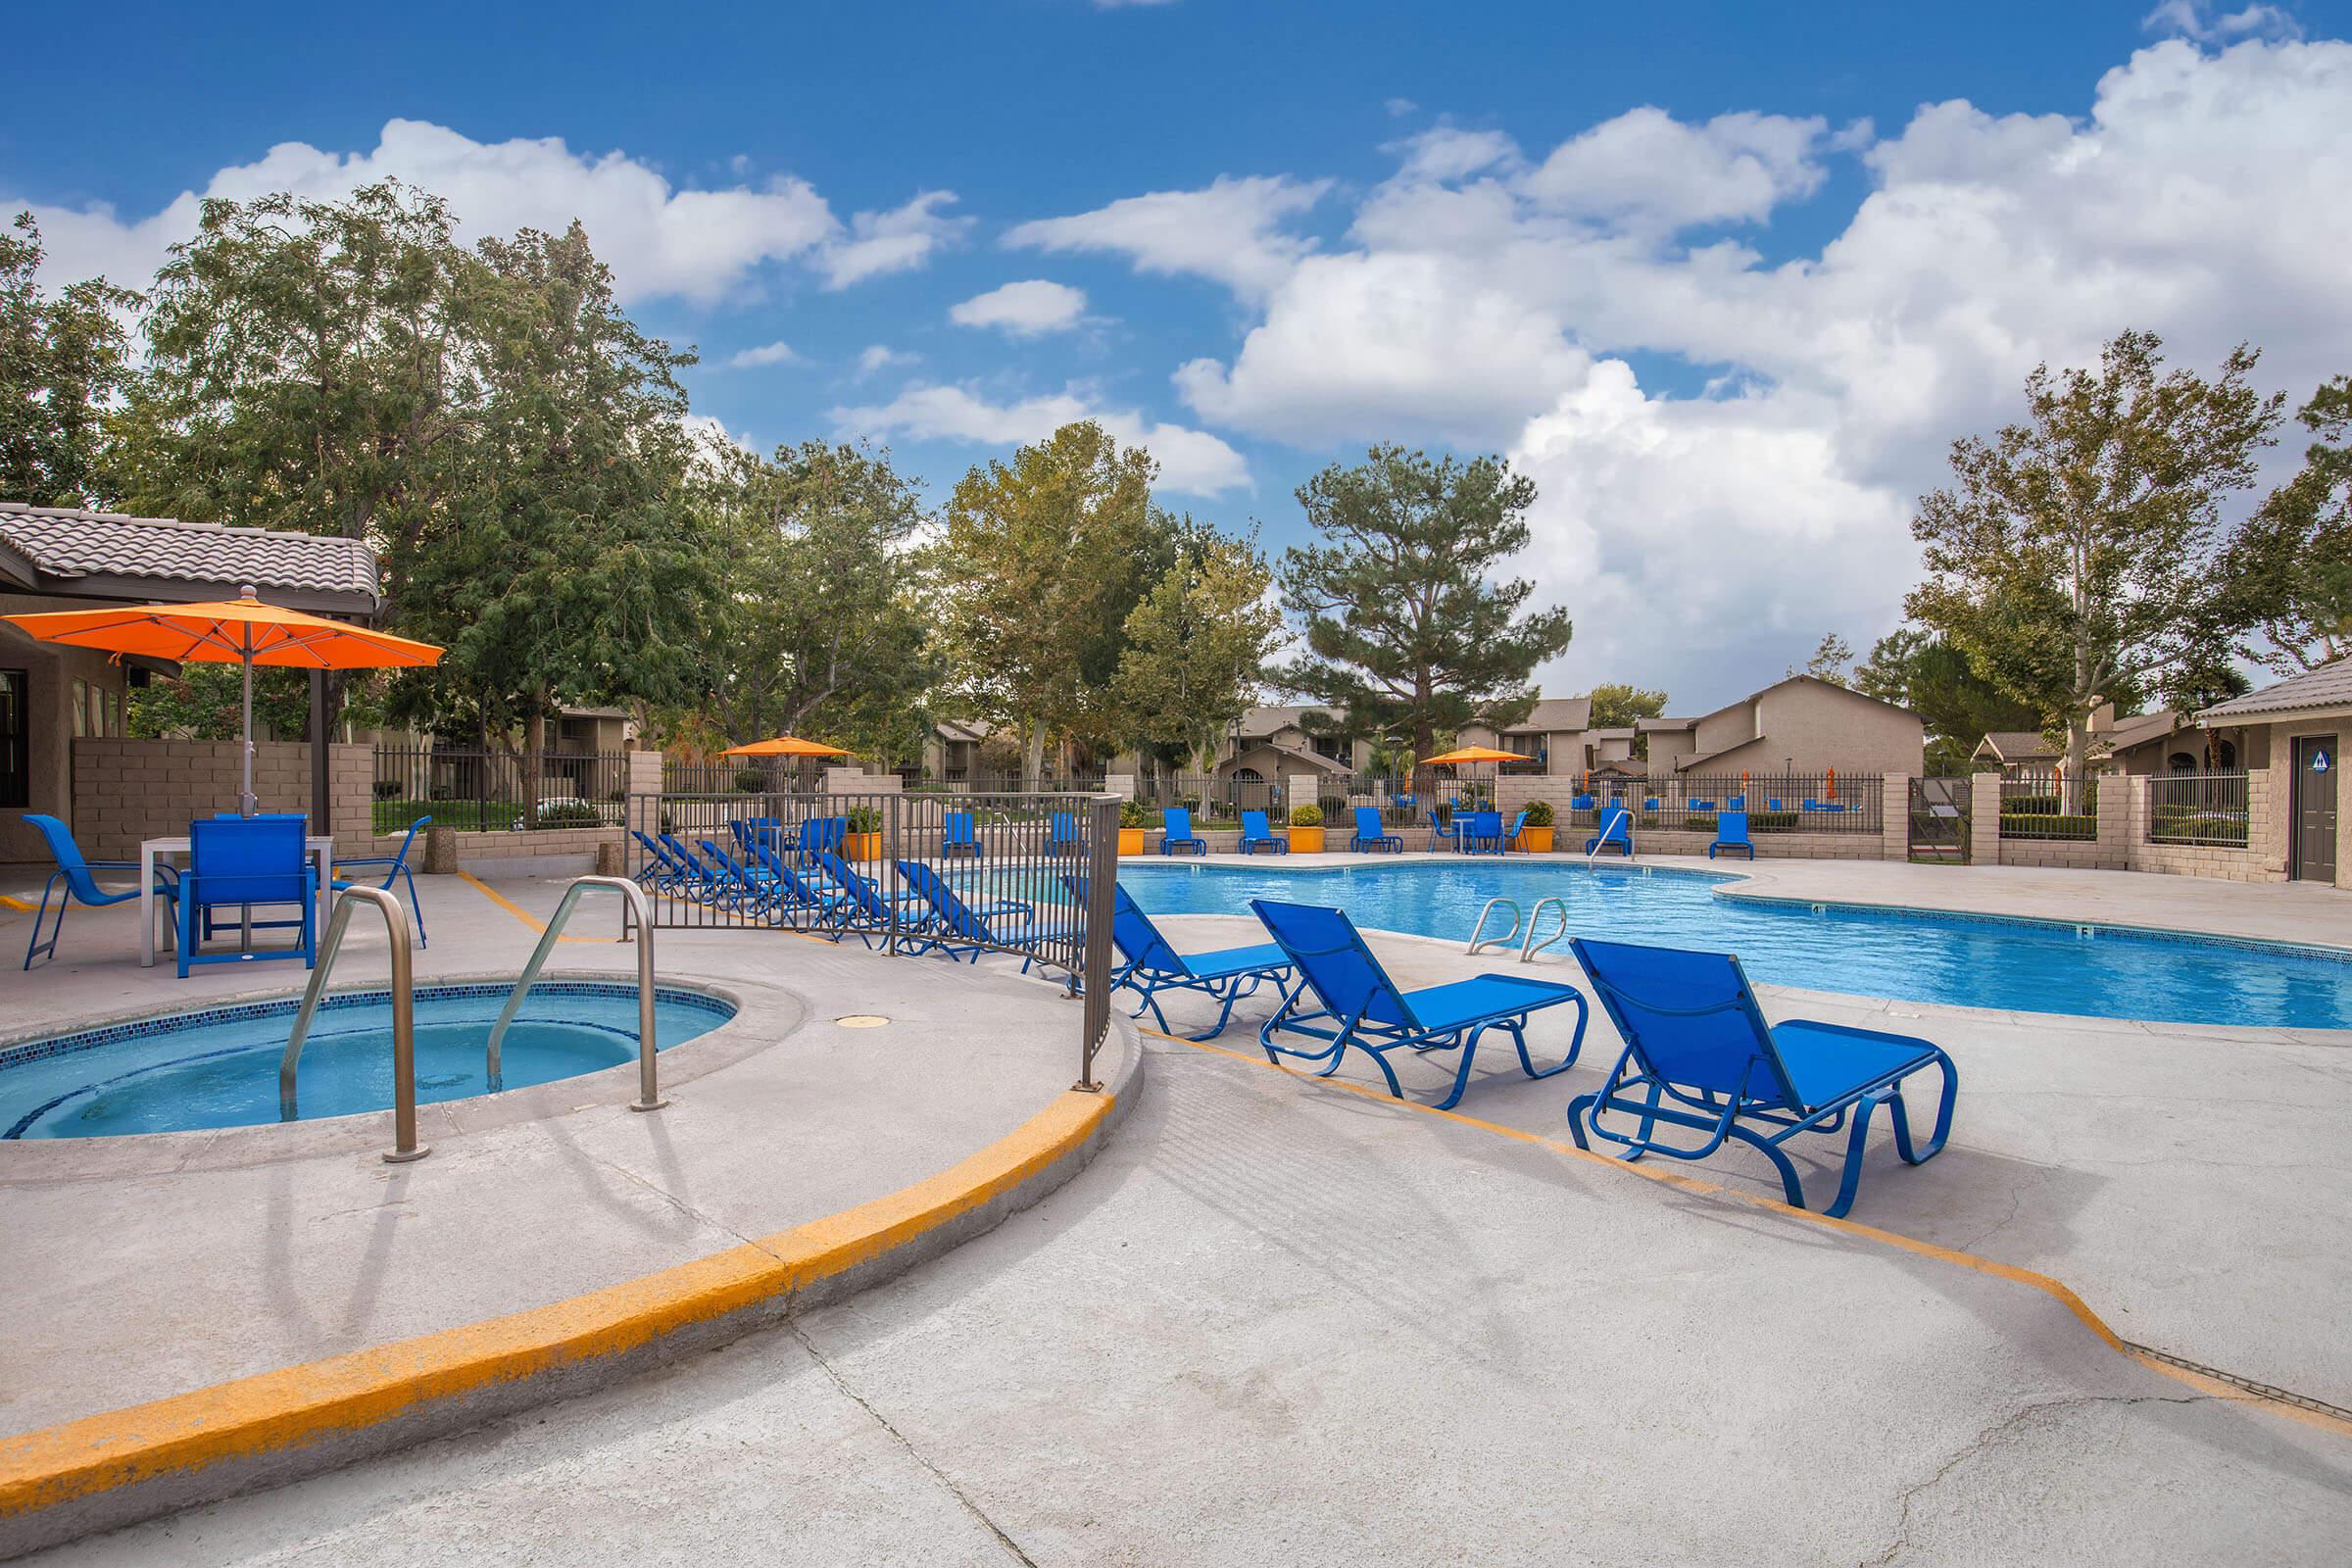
(1272, 743)
(2293, 734)
(1557, 733)
(1801, 726)
(61, 557)
(2140, 744)
(951, 753)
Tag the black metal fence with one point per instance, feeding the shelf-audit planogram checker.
(2048, 805)
(476, 791)
(2198, 808)
(1027, 874)
(1832, 801)
(1080, 782)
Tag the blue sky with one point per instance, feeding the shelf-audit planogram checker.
(1724, 278)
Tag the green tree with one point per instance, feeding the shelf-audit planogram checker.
(2291, 567)
(569, 566)
(822, 629)
(1196, 647)
(1830, 657)
(1622, 705)
(62, 361)
(1916, 669)
(1043, 559)
(1406, 637)
(2079, 553)
(206, 703)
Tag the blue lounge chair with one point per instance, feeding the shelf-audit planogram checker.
(74, 872)
(704, 882)
(1372, 835)
(396, 868)
(1257, 835)
(955, 928)
(821, 835)
(957, 838)
(745, 889)
(1149, 965)
(1616, 832)
(1361, 1006)
(1176, 833)
(1061, 834)
(1699, 1056)
(1482, 833)
(238, 863)
(1731, 833)
(661, 871)
(864, 910)
(801, 904)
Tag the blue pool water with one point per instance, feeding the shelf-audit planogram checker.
(2034, 966)
(218, 1067)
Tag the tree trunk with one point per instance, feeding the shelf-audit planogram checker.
(1034, 755)
(534, 742)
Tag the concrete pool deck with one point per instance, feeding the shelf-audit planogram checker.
(1206, 1347)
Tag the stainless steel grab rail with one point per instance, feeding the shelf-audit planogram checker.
(404, 1147)
(1476, 938)
(1532, 947)
(649, 1093)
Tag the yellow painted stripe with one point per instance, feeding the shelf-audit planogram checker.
(513, 908)
(7, 902)
(2057, 1289)
(282, 1409)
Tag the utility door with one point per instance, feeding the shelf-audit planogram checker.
(2311, 855)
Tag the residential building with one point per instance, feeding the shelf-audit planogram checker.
(1802, 724)
(1273, 743)
(2163, 742)
(2294, 733)
(1555, 735)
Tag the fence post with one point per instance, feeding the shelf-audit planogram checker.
(892, 849)
(1985, 820)
(1101, 885)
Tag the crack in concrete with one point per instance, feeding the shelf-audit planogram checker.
(1993, 1434)
(1012, 1548)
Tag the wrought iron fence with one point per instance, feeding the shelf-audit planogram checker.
(1029, 874)
(477, 791)
(2198, 808)
(2038, 804)
(1832, 801)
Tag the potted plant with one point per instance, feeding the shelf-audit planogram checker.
(1306, 830)
(862, 839)
(1535, 835)
(1133, 819)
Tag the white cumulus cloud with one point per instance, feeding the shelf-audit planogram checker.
(879, 357)
(1030, 307)
(1231, 231)
(1192, 462)
(896, 241)
(765, 353)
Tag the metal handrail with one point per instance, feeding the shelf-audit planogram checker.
(1479, 940)
(404, 1147)
(1532, 947)
(649, 1091)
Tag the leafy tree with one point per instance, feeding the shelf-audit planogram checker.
(1621, 705)
(822, 630)
(2291, 567)
(2080, 551)
(1043, 559)
(62, 361)
(206, 703)
(1830, 656)
(1930, 675)
(1405, 634)
(570, 567)
(1197, 647)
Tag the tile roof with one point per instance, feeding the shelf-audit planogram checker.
(63, 545)
(2329, 686)
(2012, 744)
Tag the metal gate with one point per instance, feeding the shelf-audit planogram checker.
(1939, 811)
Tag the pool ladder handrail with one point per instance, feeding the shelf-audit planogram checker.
(1531, 947)
(404, 1147)
(1478, 937)
(649, 1090)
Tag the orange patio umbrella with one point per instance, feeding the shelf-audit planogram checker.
(784, 746)
(237, 631)
(1477, 753)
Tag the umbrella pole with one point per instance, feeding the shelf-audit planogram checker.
(245, 800)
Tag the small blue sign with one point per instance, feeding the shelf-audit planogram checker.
(2319, 762)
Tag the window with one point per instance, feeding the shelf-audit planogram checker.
(114, 714)
(81, 708)
(16, 768)
(1331, 746)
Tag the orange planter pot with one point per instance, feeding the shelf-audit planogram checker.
(1534, 840)
(1306, 841)
(1131, 841)
(861, 847)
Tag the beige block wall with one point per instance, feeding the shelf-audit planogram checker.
(1515, 790)
(125, 791)
(2220, 861)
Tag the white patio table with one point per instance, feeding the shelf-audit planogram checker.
(321, 848)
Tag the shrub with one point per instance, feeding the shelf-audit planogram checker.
(750, 781)
(865, 820)
(1306, 817)
(1539, 813)
(387, 789)
(569, 813)
(1334, 808)
(1131, 813)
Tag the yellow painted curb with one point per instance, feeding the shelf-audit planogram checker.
(2057, 1289)
(273, 1411)
(512, 908)
(7, 902)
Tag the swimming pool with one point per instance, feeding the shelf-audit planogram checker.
(218, 1066)
(1975, 962)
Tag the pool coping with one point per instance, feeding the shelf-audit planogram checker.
(764, 1014)
(114, 1468)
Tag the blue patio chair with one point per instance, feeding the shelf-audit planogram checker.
(1482, 833)
(1061, 834)
(1616, 832)
(1518, 826)
(1176, 833)
(1361, 1006)
(1372, 835)
(955, 928)
(1149, 965)
(396, 869)
(1772, 802)
(1580, 802)
(1738, 803)
(75, 874)
(1812, 804)
(1699, 1056)
(1731, 833)
(1447, 831)
(956, 838)
(1697, 808)
(237, 864)
(1257, 835)
(821, 835)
